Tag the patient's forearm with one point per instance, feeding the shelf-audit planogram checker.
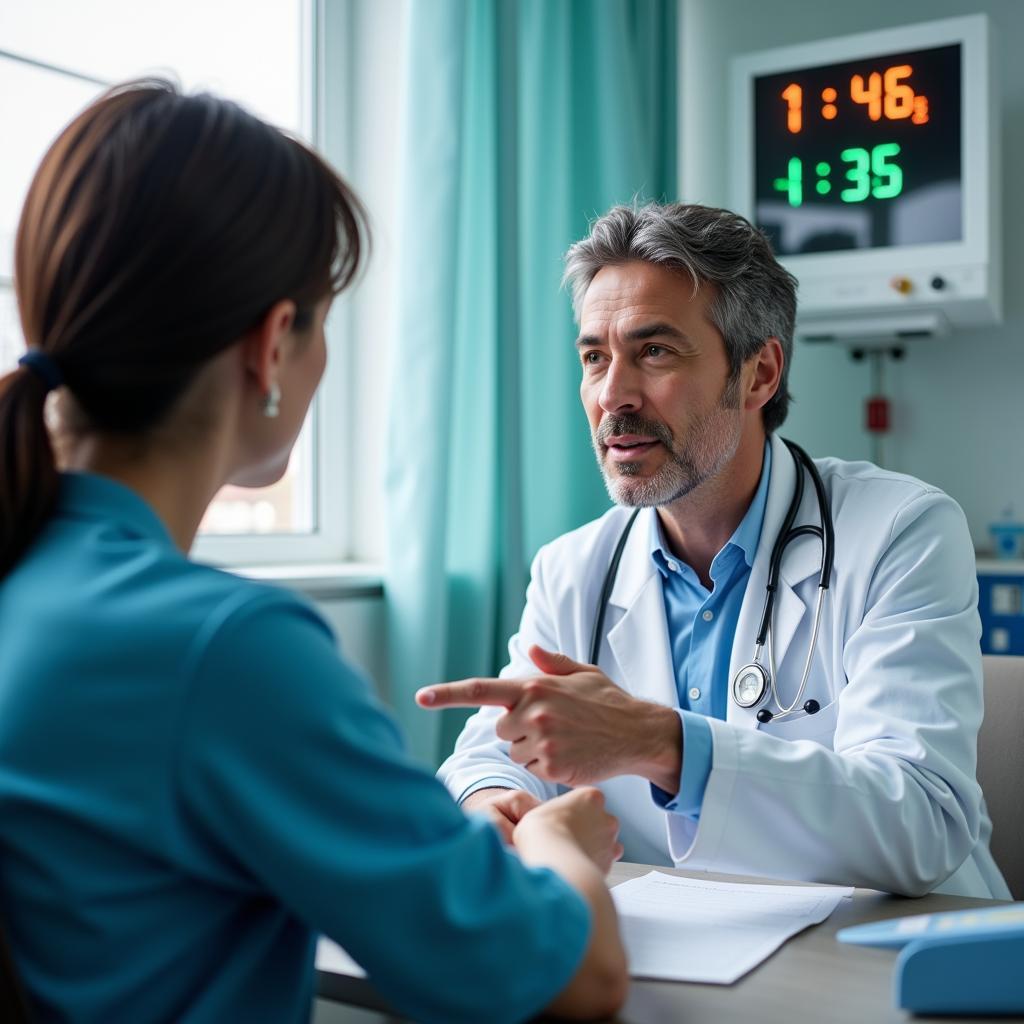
(598, 989)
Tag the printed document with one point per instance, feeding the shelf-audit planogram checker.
(688, 929)
(331, 957)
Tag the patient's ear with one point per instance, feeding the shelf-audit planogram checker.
(265, 346)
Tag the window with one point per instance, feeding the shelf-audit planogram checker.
(56, 56)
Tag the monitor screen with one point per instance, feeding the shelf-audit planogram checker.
(860, 155)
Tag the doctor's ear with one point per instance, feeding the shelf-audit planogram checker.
(766, 377)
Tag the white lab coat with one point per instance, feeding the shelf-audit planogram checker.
(878, 788)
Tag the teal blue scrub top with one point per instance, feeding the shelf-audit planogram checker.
(193, 783)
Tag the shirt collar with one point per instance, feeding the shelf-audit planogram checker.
(91, 496)
(748, 533)
(745, 537)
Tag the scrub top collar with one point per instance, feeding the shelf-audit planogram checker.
(91, 496)
(745, 537)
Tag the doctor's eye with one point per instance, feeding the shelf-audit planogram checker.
(591, 358)
(655, 350)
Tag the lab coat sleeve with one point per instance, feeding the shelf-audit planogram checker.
(895, 804)
(295, 781)
(480, 758)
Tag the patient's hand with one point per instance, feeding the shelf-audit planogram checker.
(505, 807)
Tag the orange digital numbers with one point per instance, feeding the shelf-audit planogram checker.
(871, 95)
(899, 97)
(887, 94)
(794, 97)
(829, 110)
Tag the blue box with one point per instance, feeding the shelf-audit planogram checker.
(1001, 605)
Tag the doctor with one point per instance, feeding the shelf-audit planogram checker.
(846, 754)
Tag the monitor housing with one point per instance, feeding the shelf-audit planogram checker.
(872, 162)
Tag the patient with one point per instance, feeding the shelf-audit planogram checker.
(194, 782)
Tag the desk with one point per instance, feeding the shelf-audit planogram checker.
(811, 978)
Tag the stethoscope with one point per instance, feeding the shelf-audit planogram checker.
(755, 681)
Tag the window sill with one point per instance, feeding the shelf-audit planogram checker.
(322, 581)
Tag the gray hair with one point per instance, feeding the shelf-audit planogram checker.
(756, 295)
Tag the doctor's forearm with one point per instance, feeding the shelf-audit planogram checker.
(659, 746)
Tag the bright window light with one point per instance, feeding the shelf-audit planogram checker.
(58, 55)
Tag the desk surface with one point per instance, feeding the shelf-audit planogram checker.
(811, 978)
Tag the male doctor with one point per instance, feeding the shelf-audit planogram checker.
(866, 775)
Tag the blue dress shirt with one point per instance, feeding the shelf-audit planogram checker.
(193, 784)
(701, 629)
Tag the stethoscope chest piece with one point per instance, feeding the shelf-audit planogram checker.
(750, 685)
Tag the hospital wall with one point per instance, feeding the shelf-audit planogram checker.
(359, 623)
(958, 413)
(958, 417)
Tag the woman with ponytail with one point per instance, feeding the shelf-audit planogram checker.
(193, 781)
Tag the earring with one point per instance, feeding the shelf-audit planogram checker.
(271, 404)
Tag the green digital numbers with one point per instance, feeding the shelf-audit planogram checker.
(859, 174)
(872, 174)
(890, 176)
(869, 172)
(793, 183)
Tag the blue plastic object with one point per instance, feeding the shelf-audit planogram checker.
(1007, 538)
(965, 962)
(1001, 606)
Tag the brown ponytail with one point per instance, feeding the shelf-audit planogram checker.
(28, 474)
(159, 229)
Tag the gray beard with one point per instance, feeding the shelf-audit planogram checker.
(712, 441)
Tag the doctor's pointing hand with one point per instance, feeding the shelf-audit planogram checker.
(572, 725)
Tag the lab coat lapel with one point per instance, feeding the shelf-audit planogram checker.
(800, 560)
(639, 640)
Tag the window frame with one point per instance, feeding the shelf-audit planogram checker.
(330, 540)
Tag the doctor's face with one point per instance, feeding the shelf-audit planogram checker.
(664, 415)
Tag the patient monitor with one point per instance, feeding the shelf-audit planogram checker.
(871, 161)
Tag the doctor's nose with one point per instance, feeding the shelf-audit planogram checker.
(620, 391)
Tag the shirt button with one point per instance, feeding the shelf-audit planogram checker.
(672, 567)
(708, 615)
(694, 693)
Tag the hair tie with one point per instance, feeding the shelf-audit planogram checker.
(44, 367)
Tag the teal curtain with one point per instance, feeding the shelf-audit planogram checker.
(524, 120)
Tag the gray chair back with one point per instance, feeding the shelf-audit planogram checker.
(1001, 765)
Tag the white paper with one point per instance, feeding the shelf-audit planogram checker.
(688, 929)
(332, 958)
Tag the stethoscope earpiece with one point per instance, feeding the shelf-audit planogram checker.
(811, 707)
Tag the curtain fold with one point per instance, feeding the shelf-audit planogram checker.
(524, 120)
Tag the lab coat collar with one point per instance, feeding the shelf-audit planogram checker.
(646, 664)
(803, 556)
(636, 567)
(639, 640)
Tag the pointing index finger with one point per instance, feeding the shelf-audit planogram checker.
(471, 693)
